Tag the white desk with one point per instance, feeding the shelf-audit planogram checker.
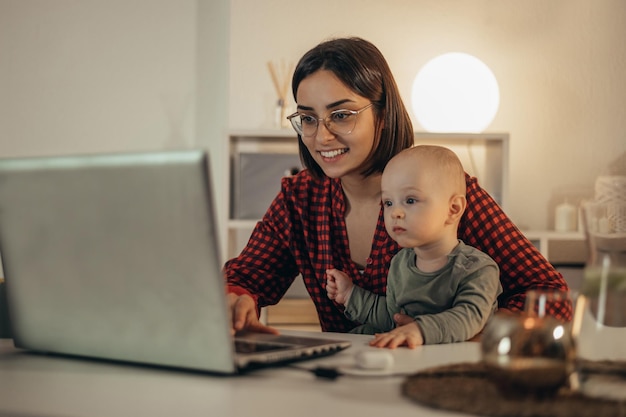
(38, 385)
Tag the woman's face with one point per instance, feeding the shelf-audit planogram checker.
(338, 155)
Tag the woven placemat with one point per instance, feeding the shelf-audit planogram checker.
(468, 388)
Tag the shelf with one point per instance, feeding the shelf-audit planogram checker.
(292, 311)
(551, 234)
(242, 223)
(559, 248)
(263, 133)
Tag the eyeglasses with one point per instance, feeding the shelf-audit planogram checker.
(340, 122)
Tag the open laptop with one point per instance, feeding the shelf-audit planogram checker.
(115, 256)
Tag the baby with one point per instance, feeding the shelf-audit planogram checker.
(449, 288)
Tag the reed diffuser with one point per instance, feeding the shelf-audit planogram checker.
(280, 74)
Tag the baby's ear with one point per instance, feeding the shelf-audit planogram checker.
(456, 207)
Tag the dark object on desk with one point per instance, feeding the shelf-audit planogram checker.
(617, 368)
(468, 388)
(5, 332)
(526, 354)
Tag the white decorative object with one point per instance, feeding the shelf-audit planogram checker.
(455, 92)
(611, 189)
(565, 218)
(281, 76)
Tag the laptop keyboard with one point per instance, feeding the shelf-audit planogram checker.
(247, 346)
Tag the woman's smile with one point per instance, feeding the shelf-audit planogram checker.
(333, 153)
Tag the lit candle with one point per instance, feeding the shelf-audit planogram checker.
(565, 218)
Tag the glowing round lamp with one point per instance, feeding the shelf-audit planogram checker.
(455, 92)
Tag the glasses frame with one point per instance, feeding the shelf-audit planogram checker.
(326, 120)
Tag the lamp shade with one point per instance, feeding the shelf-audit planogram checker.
(455, 92)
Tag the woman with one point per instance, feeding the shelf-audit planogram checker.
(350, 121)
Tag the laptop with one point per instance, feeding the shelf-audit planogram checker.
(116, 256)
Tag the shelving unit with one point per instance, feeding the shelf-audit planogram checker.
(254, 178)
(560, 248)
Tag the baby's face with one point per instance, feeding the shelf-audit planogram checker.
(415, 201)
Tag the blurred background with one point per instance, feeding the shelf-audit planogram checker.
(82, 76)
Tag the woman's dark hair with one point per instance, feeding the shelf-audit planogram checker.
(363, 69)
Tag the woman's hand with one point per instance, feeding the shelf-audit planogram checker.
(408, 334)
(244, 317)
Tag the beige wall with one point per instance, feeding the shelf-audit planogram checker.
(82, 76)
(561, 66)
(100, 75)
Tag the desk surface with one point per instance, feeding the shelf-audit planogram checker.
(41, 386)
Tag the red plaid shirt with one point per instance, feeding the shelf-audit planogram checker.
(304, 232)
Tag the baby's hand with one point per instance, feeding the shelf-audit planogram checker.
(338, 286)
(408, 335)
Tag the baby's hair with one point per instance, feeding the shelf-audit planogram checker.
(445, 161)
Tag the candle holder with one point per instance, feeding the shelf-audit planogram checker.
(532, 354)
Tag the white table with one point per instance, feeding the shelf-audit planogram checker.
(39, 385)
